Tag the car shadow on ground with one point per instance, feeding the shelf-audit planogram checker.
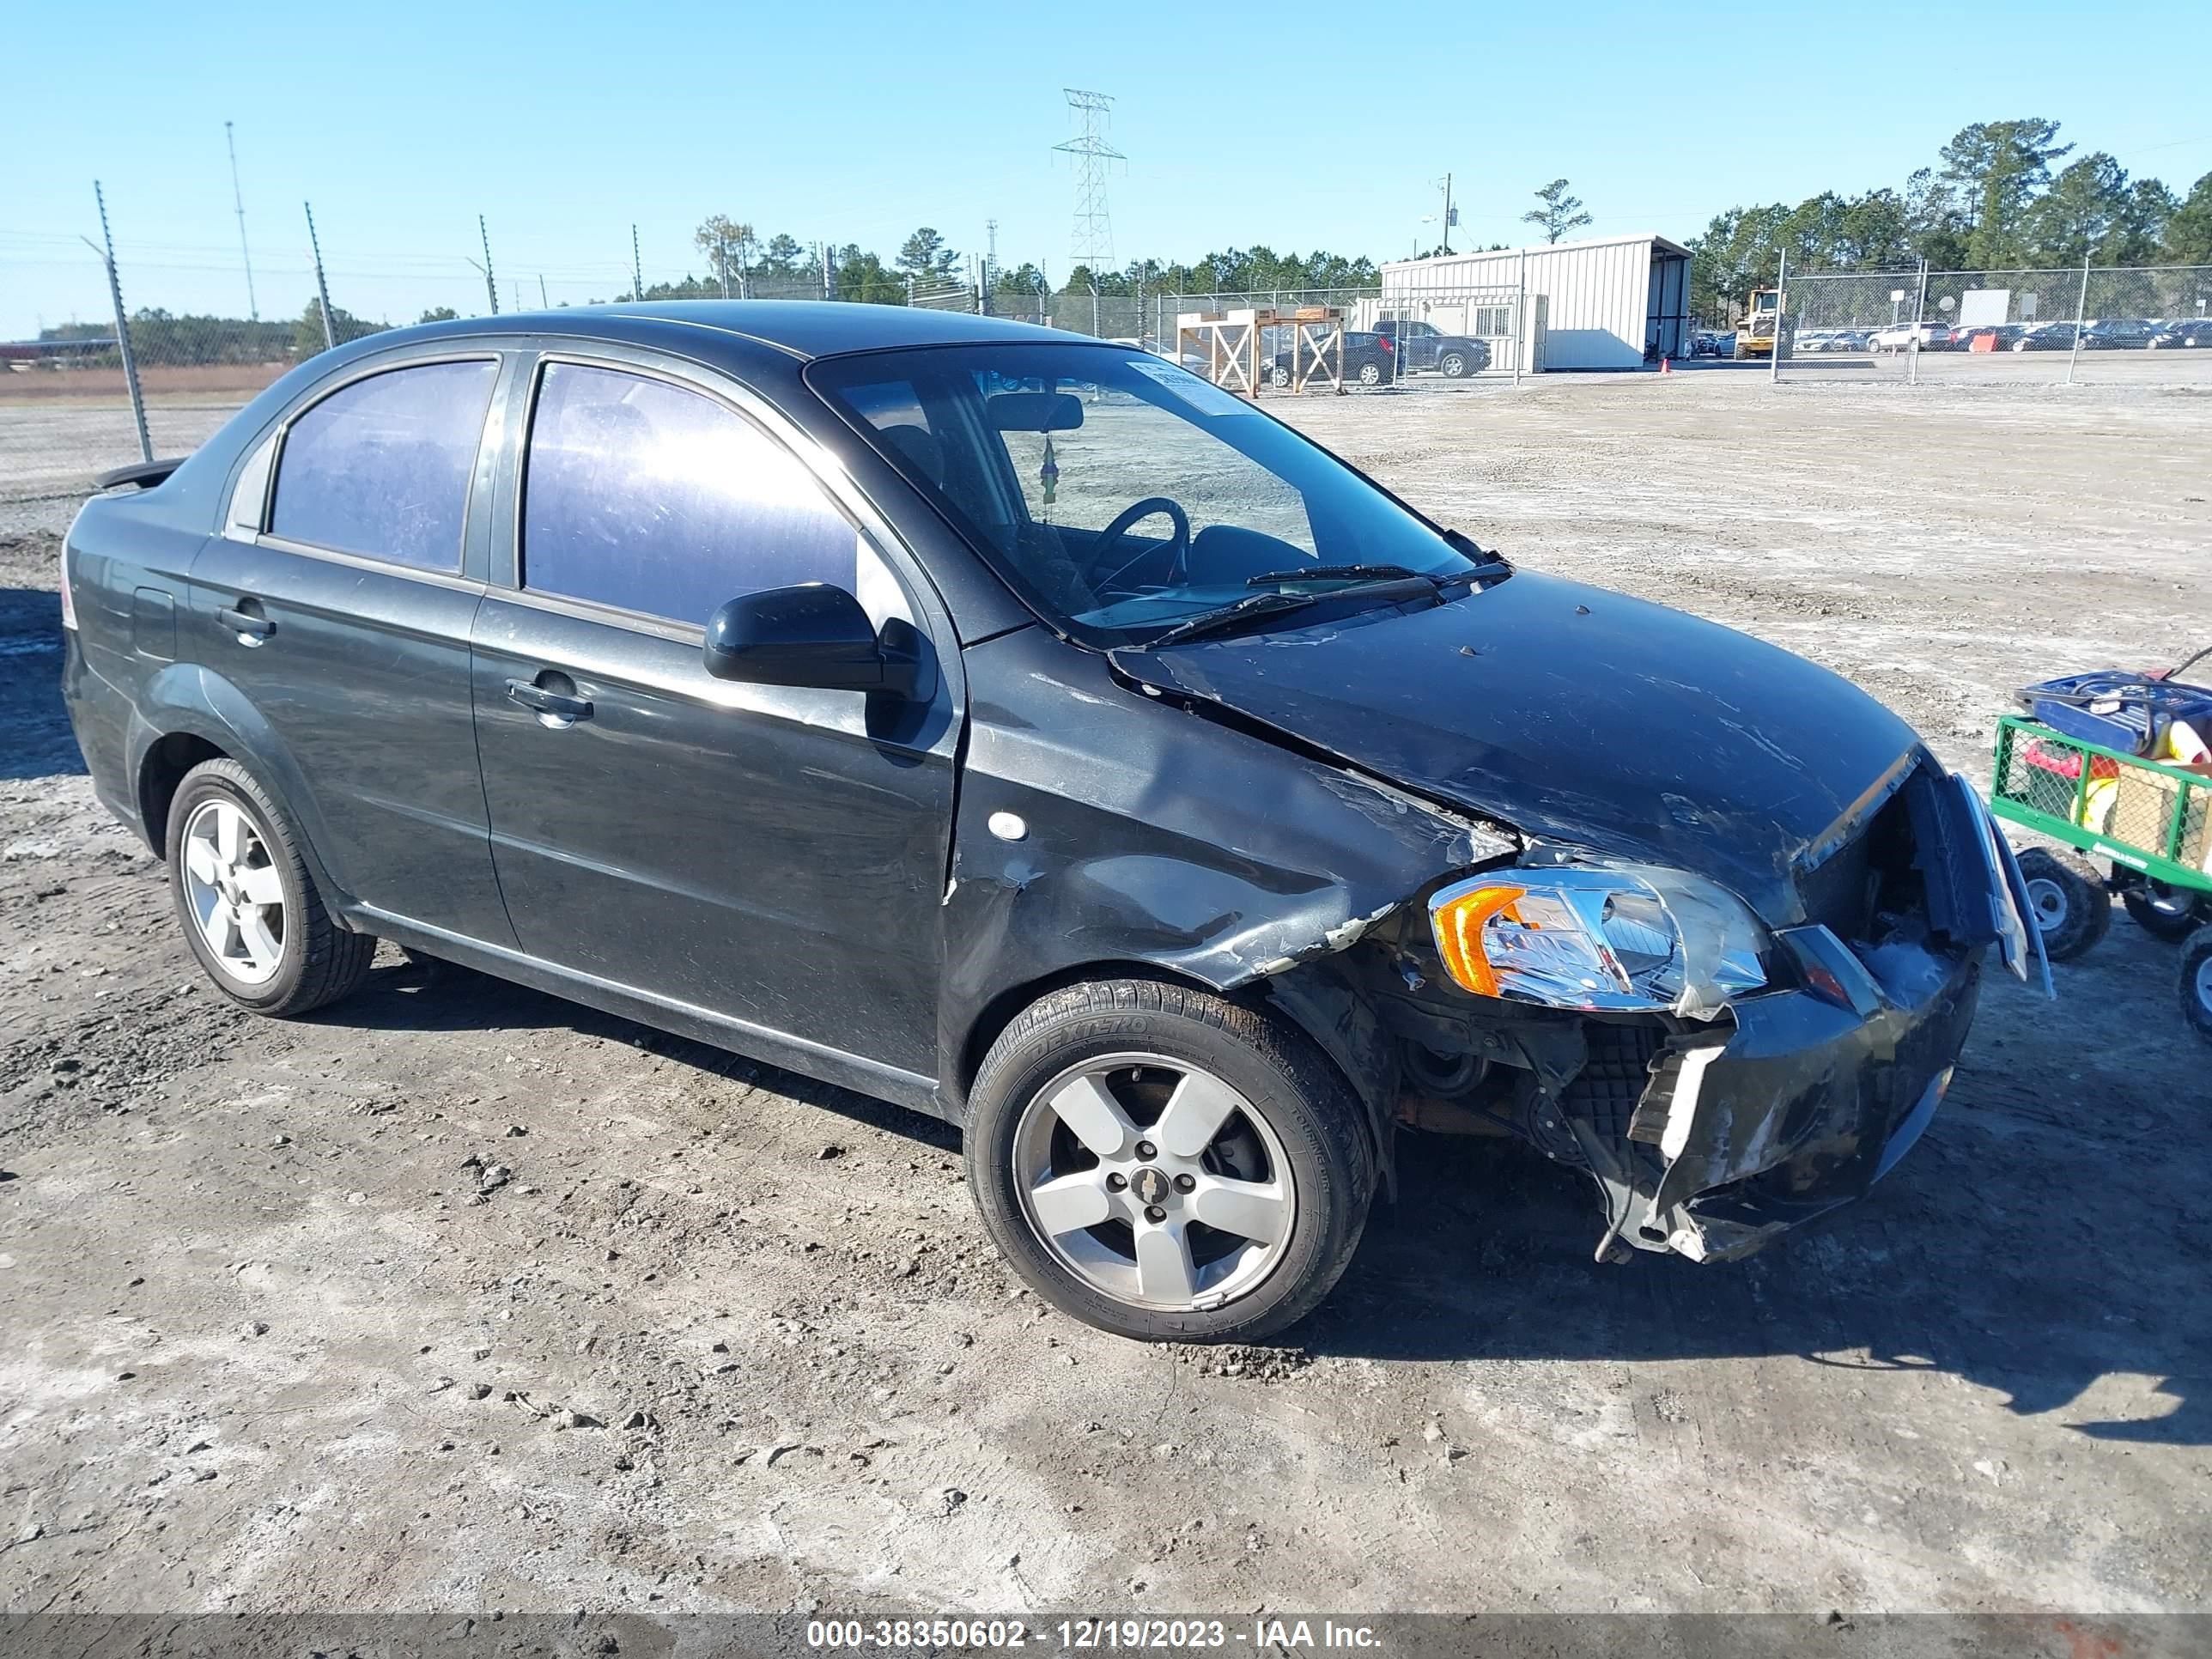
(421, 995)
(39, 744)
(1951, 1266)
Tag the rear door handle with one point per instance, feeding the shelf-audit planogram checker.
(251, 629)
(555, 708)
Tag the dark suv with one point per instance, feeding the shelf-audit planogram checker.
(1022, 729)
(1367, 362)
(1424, 346)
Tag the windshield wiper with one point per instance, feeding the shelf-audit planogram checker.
(1488, 566)
(1360, 573)
(1250, 607)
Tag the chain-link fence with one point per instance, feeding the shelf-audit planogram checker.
(173, 375)
(2148, 325)
(190, 367)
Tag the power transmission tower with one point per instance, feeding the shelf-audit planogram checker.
(253, 307)
(1093, 242)
(991, 253)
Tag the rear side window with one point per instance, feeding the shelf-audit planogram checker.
(649, 497)
(381, 467)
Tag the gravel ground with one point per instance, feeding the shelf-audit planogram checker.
(457, 1296)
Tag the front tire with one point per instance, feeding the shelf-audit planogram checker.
(2164, 912)
(2067, 900)
(2195, 986)
(1455, 366)
(1161, 1163)
(249, 909)
(1279, 379)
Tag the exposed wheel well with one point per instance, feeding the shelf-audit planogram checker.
(159, 774)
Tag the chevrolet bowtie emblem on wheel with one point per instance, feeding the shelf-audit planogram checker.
(1150, 1186)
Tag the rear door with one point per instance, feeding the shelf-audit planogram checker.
(338, 602)
(773, 856)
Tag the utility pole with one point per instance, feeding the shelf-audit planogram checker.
(491, 288)
(322, 288)
(636, 267)
(252, 308)
(123, 327)
(1449, 221)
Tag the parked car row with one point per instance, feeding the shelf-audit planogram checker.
(2105, 334)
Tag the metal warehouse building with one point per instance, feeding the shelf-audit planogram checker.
(1606, 301)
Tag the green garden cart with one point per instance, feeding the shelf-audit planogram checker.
(2148, 823)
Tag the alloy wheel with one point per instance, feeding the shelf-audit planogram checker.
(1154, 1182)
(235, 894)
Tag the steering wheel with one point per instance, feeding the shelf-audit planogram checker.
(1129, 516)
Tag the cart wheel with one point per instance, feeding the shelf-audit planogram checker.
(2066, 898)
(2196, 981)
(2162, 910)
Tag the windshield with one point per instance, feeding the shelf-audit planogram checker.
(1122, 497)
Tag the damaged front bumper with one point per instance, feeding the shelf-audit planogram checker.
(1813, 1097)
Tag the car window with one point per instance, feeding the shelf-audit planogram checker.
(381, 467)
(1036, 450)
(1083, 479)
(654, 498)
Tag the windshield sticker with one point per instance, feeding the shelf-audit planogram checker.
(1201, 395)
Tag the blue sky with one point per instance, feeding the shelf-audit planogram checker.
(856, 122)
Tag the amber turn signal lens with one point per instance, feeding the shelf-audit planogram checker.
(1458, 924)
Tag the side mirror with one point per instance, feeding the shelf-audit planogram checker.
(812, 635)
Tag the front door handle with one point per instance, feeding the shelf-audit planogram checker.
(553, 708)
(250, 628)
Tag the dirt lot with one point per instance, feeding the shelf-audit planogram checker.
(728, 1340)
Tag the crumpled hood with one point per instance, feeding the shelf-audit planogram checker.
(1576, 715)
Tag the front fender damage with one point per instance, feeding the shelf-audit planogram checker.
(1168, 840)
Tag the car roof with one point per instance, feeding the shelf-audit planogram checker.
(805, 329)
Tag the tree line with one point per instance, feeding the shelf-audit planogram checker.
(2000, 196)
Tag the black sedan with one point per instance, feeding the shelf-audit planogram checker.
(2194, 334)
(1019, 728)
(2118, 334)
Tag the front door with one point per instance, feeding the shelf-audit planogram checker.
(772, 856)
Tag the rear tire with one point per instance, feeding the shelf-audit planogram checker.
(1113, 1059)
(1370, 374)
(249, 909)
(2164, 912)
(2196, 985)
(2066, 900)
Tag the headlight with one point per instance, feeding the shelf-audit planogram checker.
(1619, 937)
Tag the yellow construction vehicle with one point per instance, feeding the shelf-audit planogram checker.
(1755, 335)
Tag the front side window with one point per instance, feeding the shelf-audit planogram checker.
(654, 498)
(1120, 495)
(381, 467)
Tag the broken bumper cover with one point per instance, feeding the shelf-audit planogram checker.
(1815, 1097)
